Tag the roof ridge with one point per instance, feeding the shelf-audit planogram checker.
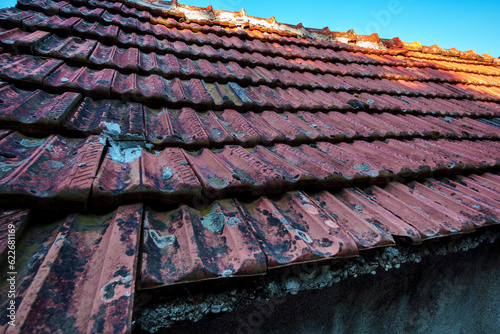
(209, 15)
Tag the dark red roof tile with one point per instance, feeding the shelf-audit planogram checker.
(174, 127)
(216, 129)
(162, 177)
(26, 68)
(79, 257)
(377, 216)
(94, 83)
(185, 245)
(72, 48)
(294, 230)
(96, 30)
(364, 233)
(25, 42)
(115, 57)
(48, 170)
(332, 115)
(123, 120)
(34, 112)
(90, 14)
(215, 175)
(239, 127)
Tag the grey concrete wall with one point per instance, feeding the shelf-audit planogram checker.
(455, 293)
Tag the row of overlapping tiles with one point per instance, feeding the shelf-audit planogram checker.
(169, 58)
(56, 170)
(344, 77)
(55, 75)
(101, 10)
(86, 266)
(232, 49)
(40, 113)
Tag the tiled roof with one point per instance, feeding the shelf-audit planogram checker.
(147, 143)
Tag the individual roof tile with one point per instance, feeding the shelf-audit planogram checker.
(294, 230)
(23, 42)
(187, 245)
(238, 127)
(73, 48)
(377, 216)
(123, 120)
(169, 127)
(96, 30)
(82, 268)
(116, 57)
(93, 83)
(48, 170)
(35, 112)
(162, 177)
(365, 234)
(31, 69)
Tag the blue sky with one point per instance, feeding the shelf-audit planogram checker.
(462, 24)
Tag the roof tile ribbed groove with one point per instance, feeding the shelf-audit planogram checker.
(48, 170)
(148, 144)
(82, 266)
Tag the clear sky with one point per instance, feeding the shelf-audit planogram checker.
(459, 23)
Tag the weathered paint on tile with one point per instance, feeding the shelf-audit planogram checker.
(294, 230)
(170, 127)
(253, 174)
(365, 234)
(34, 112)
(24, 68)
(49, 171)
(377, 216)
(93, 83)
(81, 269)
(121, 120)
(188, 245)
(133, 174)
(71, 48)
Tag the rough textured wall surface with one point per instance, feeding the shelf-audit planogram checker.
(457, 293)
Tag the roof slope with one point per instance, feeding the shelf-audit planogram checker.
(146, 144)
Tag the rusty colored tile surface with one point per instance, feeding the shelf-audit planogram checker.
(31, 69)
(294, 230)
(124, 120)
(133, 174)
(81, 269)
(49, 171)
(34, 112)
(188, 245)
